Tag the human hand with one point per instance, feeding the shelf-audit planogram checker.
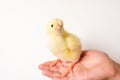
(93, 65)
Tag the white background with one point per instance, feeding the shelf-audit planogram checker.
(23, 37)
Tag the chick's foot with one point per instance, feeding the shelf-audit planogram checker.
(69, 69)
(55, 62)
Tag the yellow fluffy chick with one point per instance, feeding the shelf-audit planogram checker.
(64, 45)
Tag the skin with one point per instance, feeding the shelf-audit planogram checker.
(93, 65)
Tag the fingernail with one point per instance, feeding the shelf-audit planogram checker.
(39, 67)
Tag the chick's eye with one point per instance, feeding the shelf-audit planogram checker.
(51, 25)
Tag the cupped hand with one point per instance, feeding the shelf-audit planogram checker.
(93, 65)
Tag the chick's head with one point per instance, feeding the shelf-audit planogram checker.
(55, 27)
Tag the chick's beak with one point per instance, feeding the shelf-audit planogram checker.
(57, 27)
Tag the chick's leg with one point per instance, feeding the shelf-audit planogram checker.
(69, 69)
(55, 62)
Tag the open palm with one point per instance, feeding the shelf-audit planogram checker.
(93, 65)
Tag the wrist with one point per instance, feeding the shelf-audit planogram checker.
(116, 75)
(115, 72)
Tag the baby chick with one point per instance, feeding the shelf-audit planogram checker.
(64, 45)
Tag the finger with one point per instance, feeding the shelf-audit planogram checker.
(47, 73)
(57, 75)
(51, 74)
(43, 67)
(54, 68)
(56, 79)
(59, 69)
(64, 78)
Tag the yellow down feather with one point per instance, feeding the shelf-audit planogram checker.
(64, 45)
